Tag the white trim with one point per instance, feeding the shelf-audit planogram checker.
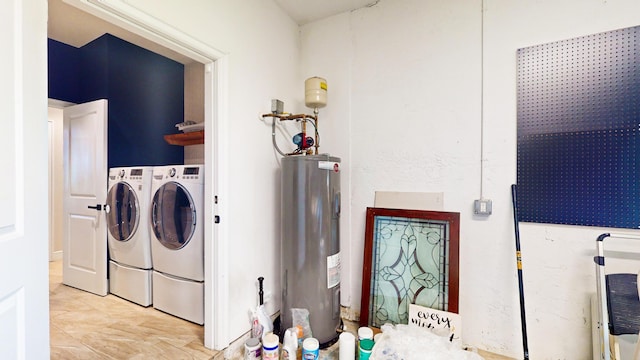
(130, 18)
(216, 165)
(51, 130)
(137, 21)
(55, 207)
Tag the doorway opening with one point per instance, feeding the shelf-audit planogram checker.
(207, 67)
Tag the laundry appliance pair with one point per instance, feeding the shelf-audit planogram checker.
(156, 237)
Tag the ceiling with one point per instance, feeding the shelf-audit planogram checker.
(306, 11)
(74, 27)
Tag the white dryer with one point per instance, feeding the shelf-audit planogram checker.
(177, 245)
(128, 238)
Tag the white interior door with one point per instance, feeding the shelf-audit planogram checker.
(84, 255)
(24, 315)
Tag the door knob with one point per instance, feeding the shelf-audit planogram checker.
(99, 207)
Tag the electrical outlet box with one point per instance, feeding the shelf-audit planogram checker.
(277, 106)
(482, 207)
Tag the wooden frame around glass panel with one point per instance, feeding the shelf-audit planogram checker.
(410, 256)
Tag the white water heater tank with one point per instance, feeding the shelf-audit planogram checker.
(315, 92)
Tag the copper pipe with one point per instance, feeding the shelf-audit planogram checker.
(304, 135)
(303, 118)
(291, 117)
(298, 117)
(317, 144)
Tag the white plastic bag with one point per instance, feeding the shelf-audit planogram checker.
(264, 320)
(416, 343)
(261, 323)
(301, 318)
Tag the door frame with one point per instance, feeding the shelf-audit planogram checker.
(215, 61)
(55, 180)
(50, 173)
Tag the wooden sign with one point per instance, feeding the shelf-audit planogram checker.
(440, 322)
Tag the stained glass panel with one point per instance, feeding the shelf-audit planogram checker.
(409, 267)
(411, 257)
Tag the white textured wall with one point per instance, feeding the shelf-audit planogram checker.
(327, 54)
(404, 112)
(262, 44)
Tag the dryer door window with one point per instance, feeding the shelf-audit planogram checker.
(173, 216)
(124, 215)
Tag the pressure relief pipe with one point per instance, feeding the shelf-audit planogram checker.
(273, 134)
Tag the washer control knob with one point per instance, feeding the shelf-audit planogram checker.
(172, 172)
(121, 173)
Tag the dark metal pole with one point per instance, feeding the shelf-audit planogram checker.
(523, 317)
(260, 290)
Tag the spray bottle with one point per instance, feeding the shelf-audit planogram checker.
(290, 345)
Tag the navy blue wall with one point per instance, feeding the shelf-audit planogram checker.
(146, 99)
(64, 79)
(94, 71)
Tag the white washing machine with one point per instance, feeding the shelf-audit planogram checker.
(177, 245)
(128, 238)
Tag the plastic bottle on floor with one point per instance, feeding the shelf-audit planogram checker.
(290, 345)
(271, 347)
(310, 349)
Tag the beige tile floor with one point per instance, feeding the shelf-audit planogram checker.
(88, 326)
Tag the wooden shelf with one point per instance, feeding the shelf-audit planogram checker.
(184, 139)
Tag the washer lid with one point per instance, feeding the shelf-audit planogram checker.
(173, 215)
(124, 216)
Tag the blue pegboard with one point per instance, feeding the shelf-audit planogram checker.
(579, 131)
